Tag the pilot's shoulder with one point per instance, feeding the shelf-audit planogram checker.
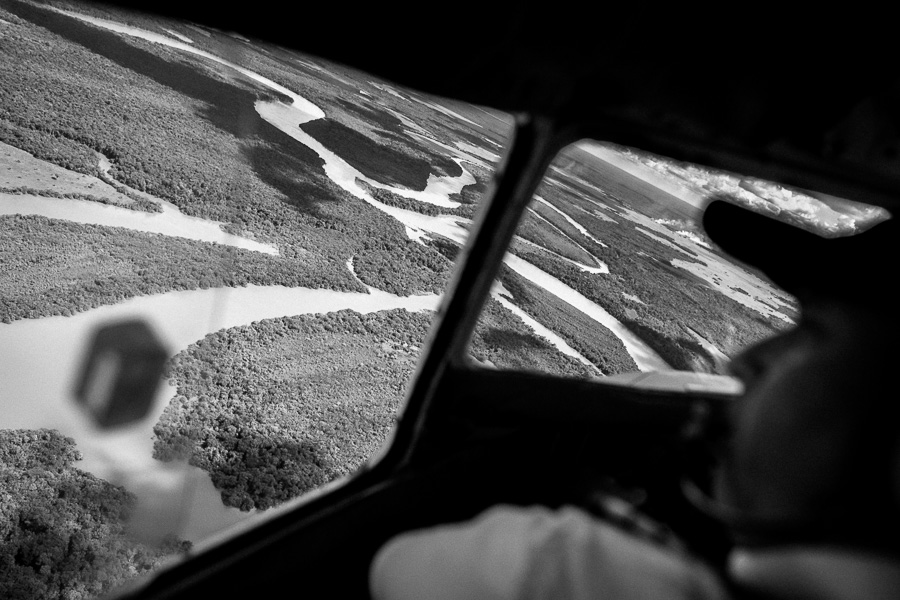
(535, 552)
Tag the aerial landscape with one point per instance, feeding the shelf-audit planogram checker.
(287, 226)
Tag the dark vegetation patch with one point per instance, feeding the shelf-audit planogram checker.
(515, 341)
(394, 139)
(50, 146)
(62, 531)
(476, 139)
(471, 196)
(503, 341)
(401, 266)
(373, 115)
(55, 267)
(391, 199)
(594, 341)
(276, 408)
(546, 235)
(466, 211)
(376, 161)
(558, 200)
(446, 247)
(473, 193)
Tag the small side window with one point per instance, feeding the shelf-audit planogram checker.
(611, 275)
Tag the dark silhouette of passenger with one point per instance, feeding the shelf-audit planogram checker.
(810, 483)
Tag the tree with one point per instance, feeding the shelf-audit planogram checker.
(62, 530)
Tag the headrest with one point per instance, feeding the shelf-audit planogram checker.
(853, 270)
(815, 442)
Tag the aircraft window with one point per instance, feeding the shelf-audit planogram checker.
(611, 275)
(271, 230)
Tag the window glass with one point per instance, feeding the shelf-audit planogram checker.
(611, 274)
(270, 231)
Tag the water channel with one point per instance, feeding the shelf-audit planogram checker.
(40, 356)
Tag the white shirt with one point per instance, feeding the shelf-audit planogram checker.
(535, 553)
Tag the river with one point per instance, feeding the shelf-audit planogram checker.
(170, 221)
(40, 359)
(40, 356)
(288, 117)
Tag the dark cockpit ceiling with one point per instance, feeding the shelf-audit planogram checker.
(809, 100)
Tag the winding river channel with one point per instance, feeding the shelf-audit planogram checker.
(39, 357)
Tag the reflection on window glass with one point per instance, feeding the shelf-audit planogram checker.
(611, 272)
(277, 228)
